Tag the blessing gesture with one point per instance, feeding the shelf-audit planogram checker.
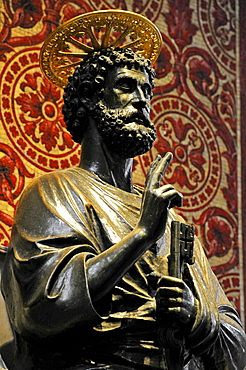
(157, 200)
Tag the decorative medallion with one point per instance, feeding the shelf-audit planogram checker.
(150, 8)
(187, 133)
(231, 286)
(217, 19)
(12, 181)
(12, 175)
(31, 114)
(219, 235)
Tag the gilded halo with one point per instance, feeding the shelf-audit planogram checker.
(75, 39)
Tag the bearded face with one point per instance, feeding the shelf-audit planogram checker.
(122, 116)
(124, 133)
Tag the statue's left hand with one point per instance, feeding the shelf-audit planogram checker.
(175, 301)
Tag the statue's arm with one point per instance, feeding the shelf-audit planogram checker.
(214, 333)
(229, 347)
(106, 269)
(44, 281)
(63, 283)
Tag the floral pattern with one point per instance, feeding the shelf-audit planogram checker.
(180, 26)
(42, 117)
(224, 23)
(12, 175)
(219, 237)
(26, 13)
(188, 152)
(164, 65)
(200, 75)
(218, 232)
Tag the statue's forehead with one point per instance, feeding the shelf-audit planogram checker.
(123, 72)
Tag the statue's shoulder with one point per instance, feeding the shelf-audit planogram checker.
(48, 179)
(47, 183)
(38, 208)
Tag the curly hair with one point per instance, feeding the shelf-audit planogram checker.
(91, 73)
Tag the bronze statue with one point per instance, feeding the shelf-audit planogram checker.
(86, 278)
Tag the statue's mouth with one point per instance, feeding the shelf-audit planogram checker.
(139, 120)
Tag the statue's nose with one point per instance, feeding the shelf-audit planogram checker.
(139, 100)
(139, 103)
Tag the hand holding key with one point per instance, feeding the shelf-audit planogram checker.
(175, 301)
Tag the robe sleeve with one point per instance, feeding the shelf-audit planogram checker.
(217, 336)
(44, 280)
(217, 339)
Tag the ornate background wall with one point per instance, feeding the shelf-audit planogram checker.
(196, 109)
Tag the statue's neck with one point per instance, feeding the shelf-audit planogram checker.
(110, 167)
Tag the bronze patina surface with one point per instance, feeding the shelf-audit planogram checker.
(87, 275)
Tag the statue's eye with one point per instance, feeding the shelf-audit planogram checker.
(126, 85)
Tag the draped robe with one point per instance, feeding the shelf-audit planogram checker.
(66, 217)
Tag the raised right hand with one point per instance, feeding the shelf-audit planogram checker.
(105, 269)
(157, 200)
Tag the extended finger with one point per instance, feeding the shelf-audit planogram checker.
(151, 171)
(161, 168)
(156, 171)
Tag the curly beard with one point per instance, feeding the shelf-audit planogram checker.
(125, 134)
